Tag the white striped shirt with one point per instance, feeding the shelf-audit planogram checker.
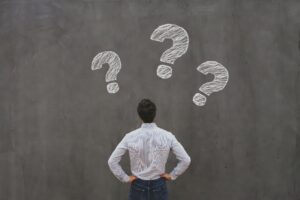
(149, 148)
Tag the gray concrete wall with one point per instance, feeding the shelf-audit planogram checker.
(58, 124)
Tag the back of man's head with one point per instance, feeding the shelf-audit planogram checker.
(146, 110)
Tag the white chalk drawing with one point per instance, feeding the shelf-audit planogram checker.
(199, 99)
(221, 77)
(180, 39)
(114, 62)
(164, 71)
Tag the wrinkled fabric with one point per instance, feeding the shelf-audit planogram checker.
(149, 148)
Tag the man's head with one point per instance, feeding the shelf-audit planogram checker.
(146, 110)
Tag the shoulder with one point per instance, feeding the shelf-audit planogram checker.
(166, 133)
(132, 133)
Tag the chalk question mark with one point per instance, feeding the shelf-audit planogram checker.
(180, 39)
(114, 62)
(218, 84)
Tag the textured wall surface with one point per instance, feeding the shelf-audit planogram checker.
(58, 124)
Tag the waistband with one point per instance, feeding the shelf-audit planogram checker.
(154, 182)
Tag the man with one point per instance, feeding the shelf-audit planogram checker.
(148, 148)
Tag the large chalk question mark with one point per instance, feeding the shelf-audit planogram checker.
(114, 62)
(180, 39)
(219, 82)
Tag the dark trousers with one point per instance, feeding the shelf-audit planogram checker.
(149, 189)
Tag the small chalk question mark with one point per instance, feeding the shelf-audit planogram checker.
(114, 62)
(180, 39)
(218, 84)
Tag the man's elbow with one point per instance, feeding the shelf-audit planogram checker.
(187, 161)
(110, 162)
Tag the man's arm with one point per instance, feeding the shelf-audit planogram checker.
(114, 159)
(182, 156)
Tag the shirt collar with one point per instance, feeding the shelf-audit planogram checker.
(148, 125)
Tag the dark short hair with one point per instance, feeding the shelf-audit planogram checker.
(146, 110)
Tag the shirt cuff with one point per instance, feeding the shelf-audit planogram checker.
(126, 179)
(173, 176)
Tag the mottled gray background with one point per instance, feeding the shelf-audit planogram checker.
(58, 124)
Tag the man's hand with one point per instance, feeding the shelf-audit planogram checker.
(166, 176)
(132, 178)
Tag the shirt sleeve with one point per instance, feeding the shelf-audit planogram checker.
(182, 156)
(114, 159)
